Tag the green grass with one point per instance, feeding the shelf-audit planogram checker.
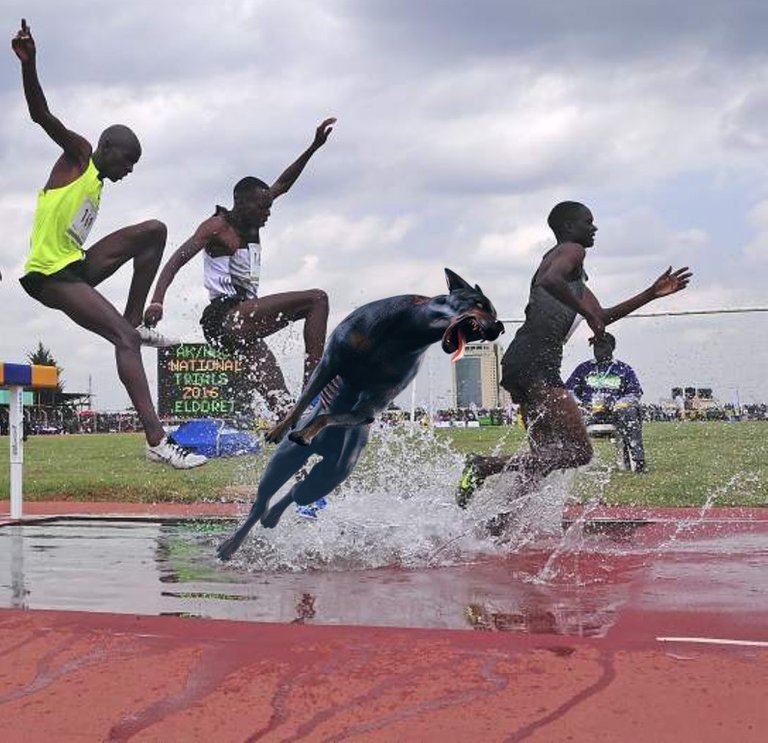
(112, 467)
(689, 463)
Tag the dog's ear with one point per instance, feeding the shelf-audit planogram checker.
(479, 290)
(455, 281)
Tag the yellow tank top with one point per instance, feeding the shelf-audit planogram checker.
(63, 218)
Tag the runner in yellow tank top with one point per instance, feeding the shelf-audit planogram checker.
(62, 275)
(63, 218)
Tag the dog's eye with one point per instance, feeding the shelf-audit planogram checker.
(480, 305)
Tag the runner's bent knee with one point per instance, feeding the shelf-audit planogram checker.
(154, 228)
(312, 300)
(318, 298)
(151, 232)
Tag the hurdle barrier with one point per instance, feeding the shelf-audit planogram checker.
(17, 378)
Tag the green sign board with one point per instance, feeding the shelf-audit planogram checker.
(195, 380)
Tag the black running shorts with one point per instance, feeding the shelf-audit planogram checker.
(212, 322)
(75, 272)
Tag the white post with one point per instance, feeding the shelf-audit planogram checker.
(16, 435)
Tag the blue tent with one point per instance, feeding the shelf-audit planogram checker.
(214, 438)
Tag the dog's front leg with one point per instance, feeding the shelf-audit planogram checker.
(285, 462)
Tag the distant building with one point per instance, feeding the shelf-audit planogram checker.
(476, 378)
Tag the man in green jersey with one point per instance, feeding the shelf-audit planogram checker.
(60, 274)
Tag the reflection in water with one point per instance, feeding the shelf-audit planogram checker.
(529, 621)
(565, 614)
(305, 608)
(18, 588)
(154, 568)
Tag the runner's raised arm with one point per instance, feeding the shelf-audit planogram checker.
(288, 177)
(76, 148)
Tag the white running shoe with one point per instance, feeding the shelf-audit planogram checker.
(154, 338)
(179, 457)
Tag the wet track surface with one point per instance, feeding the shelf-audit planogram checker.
(622, 627)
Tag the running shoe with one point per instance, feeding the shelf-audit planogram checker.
(471, 479)
(177, 456)
(310, 511)
(154, 338)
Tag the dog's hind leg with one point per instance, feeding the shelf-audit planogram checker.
(330, 472)
(286, 461)
(324, 477)
(270, 519)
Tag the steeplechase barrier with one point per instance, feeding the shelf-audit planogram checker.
(17, 378)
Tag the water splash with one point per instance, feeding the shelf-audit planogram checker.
(398, 509)
(572, 541)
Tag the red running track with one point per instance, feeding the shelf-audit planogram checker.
(69, 676)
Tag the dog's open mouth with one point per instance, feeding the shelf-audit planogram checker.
(463, 330)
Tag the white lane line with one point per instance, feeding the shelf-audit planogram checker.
(716, 641)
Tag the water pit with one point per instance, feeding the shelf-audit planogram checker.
(576, 584)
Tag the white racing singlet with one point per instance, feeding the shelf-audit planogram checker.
(233, 275)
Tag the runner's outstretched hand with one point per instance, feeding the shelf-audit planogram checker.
(671, 281)
(322, 132)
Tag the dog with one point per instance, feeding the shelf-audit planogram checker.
(372, 356)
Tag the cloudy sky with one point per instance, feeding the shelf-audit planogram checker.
(459, 126)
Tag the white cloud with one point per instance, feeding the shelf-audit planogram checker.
(459, 127)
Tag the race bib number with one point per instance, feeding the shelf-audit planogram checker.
(83, 221)
(254, 260)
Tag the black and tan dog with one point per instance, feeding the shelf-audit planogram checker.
(370, 358)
